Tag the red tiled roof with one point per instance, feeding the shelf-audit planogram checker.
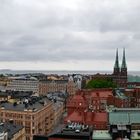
(90, 117)
(78, 97)
(100, 117)
(101, 94)
(74, 117)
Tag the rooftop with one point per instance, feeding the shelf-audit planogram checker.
(120, 94)
(74, 131)
(125, 109)
(124, 116)
(74, 117)
(101, 135)
(58, 96)
(24, 78)
(32, 104)
(133, 78)
(15, 94)
(57, 105)
(11, 128)
(55, 81)
(135, 135)
(101, 94)
(88, 117)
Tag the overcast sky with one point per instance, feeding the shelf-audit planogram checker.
(68, 34)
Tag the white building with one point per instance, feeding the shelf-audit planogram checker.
(77, 78)
(24, 84)
(3, 135)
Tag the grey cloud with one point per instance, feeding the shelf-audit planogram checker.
(44, 30)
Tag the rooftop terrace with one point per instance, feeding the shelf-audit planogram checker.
(32, 104)
(11, 128)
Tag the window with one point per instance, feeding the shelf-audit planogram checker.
(28, 116)
(27, 138)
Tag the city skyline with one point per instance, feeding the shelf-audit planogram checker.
(68, 35)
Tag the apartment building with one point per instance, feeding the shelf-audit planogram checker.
(59, 105)
(36, 114)
(23, 84)
(58, 112)
(57, 86)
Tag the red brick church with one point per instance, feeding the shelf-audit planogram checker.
(119, 75)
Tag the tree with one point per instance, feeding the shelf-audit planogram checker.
(100, 83)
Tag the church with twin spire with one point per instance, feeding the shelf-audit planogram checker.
(119, 75)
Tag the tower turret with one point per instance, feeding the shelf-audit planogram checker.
(116, 66)
(123, 77)
(124, 66)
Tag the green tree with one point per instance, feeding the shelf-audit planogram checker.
(100, 83)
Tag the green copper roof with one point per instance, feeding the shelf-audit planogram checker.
(132, 78)
(124, 60)
(123, 117)
(117, 60)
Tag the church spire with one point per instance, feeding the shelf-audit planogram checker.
(124, 60)
(116, 66)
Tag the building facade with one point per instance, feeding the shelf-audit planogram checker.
(23, 85)
(89, 107)
(57, 86)
(119, 75)
(10, 131)
(36, 115)
(94, 100)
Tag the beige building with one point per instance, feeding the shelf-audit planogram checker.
(72, 87)
(57, 86)
(35, 115)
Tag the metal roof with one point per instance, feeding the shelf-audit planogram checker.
(101, 135)
(128, 117)
(132, 78)
(11, 128)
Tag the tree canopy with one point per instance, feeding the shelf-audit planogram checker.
(100, 83)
